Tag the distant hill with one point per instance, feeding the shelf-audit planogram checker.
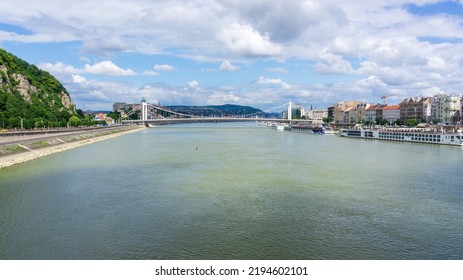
(30, 96)
(216, 110)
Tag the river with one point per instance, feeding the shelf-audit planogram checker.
(235, 191)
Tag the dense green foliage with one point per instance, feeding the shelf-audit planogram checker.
(45, 108)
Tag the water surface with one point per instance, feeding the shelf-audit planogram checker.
(235, 191)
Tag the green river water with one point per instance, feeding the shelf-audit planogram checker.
(235, 191)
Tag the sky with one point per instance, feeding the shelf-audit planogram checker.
(260, 53)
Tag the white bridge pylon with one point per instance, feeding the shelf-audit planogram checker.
(144, 110)
(290, 110)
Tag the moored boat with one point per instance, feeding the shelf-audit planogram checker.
(328, 130)
(311, 129)
(415, 135)
(279, 126)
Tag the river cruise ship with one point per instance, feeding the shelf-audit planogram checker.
(415, 135)
(312, 129)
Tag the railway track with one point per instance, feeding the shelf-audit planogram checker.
(18, 137)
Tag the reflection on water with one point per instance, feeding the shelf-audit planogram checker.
(247, 192)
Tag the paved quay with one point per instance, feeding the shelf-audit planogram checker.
(34, 153)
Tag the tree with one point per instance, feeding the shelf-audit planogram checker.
(436, 121)
(114, 115)
(80, 113)
(412, 122)
(134, 116)
(383, 122)
(14, 122)
(74, 121)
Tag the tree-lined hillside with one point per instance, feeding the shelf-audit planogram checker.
(216, 110)
(31, 97)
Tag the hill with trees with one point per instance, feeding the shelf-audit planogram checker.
(226, 110)
(30, 97)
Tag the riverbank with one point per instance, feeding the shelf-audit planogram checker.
(27, 151)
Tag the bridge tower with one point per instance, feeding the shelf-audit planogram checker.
(144, 109)
(290, 111)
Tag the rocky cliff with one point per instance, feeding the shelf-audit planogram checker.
(30, 97)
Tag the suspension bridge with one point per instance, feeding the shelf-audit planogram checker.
(151, 114)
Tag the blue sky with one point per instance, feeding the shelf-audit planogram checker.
(256, 52)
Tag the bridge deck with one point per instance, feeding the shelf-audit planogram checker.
(203, 120)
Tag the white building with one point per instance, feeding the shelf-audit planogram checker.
(316, 115)
(391, 113)
(461, 110)
(446, 108)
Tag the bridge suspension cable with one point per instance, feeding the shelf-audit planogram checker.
(269, 110)
(170, 111)
(131, 111)
(286, 104)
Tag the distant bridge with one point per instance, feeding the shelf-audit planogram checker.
(157, 115)
(208, 120)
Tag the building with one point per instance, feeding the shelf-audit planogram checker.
(351, 115)
(121, 106)
(100, 117)
(374, 113)
(461, 110)
(298, 112)
(342, 116)
(446, 108)
(391, 113)
(317, 115)
(418, 109)
(331, 111)
(342, 111)
(359, 115)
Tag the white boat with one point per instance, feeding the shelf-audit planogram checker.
(279, 126)
(415, 135)
(328, 130)
(311, 129)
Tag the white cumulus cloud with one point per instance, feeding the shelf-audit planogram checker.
(333, 64)
(243, 39)
(59, 67)
(150, 73)
(227, 66)
(101, 68)
(107, 68)
(268, 81)
(280, 70)
(78, 79)
(164, 67)
(263, 80)
(193, 84)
